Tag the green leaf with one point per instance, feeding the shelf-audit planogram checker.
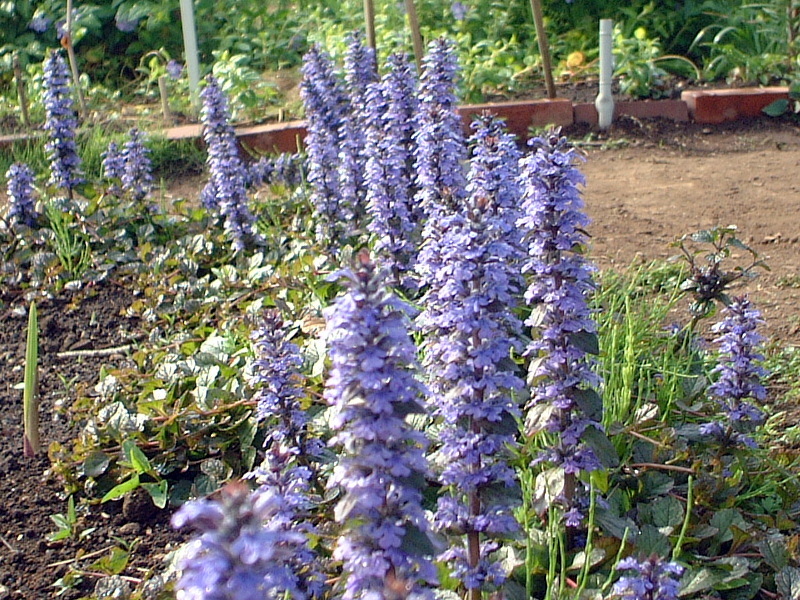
(787, 581)
(774, 551)
(723, 520)
(695, 581)
(603, 448)
(112, 563)
(136, 457)
(95, 464)
(590, 402)
(652, 541)
(777, 108)
(586, 341)
(548, 486)
(158, 492)
(667, 512)
(123, 488)
(538, 416)
(416, 542)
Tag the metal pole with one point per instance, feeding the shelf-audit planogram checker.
(190, 48)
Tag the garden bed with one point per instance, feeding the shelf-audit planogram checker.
(648, 182)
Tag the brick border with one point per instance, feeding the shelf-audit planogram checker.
(701, 106)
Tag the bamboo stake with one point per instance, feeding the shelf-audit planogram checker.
(544, 47)
(21, 94)
(416, 36)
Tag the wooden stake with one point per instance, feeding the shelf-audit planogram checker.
(369, 19)
(544, 47)
(66, 42)
(416, 36)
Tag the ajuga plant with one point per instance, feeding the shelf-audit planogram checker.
(60, 124)
(361, 70)
(471, 331)
(113, 167)
(563, 401)
(326, 107)
(389, 175)
(276, 375)
(739, 376)
(20, 195)
(245, 551)
(440, 148)
(290, 452)
(709, 282)
(136, 176)
(372, 388)
(284, 169)
(653, 579)
(226, 190)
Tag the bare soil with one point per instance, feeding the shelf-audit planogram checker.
(647, 184)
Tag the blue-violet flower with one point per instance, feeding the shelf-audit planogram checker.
(60, 124)
(740, 374)
(655, 579)
(372, 388)
(226, 189)
(20, 194)
(553, 226)
(471, 331)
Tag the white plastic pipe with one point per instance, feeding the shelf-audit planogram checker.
(605, 100)
(190, 47)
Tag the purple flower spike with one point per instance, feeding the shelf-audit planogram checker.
(276, 373)
(113, 162)
(361, 71)
(244, 550)
(136, 177)
(60, 124)
(655, 579)
(740, 375)
(553, 226)
(326, 105)
(226, 189)
(389, 177)
(20, 194)
(372, 389)
(440, 148)
(472, 330)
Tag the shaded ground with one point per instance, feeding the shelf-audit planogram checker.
(657, 182)
(29, 493)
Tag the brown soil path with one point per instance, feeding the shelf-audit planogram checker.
(644, 196)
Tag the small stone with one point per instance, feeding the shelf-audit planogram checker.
(152, 588)
(112, 588)
(130, 529)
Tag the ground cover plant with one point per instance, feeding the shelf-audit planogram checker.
(588, 452)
